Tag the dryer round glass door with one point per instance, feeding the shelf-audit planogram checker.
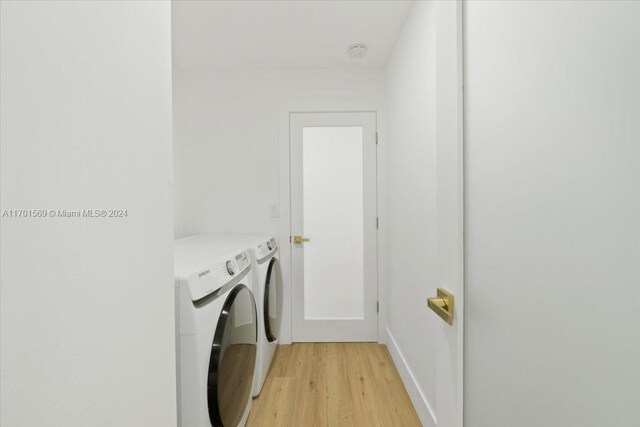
(273, 300)
(233, 357)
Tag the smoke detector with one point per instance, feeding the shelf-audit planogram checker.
(357, 50)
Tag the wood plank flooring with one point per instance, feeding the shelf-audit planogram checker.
(333, 384)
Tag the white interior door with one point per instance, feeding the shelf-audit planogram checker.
(333, 215)
(450, 210)
(552, 92)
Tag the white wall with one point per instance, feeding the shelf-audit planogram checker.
(553, 214)
(412, 210)
(229, 128)
(226, 138)
(87, 304)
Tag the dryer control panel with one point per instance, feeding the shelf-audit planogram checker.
(266, 248)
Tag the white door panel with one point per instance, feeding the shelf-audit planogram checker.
(450, 208)
(552, 95)
(333, 204)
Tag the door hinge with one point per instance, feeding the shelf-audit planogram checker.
(377, 306)
(377, 223)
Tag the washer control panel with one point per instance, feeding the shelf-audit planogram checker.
(242, 261)
(231, 268)
(211, 279)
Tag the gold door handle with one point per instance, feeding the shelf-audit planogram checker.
(442, 305)
(299, 239)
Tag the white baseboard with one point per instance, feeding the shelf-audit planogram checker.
(425, 412)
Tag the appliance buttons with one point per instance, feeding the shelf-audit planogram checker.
(231, 269)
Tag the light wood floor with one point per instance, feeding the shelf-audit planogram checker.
(333, 384)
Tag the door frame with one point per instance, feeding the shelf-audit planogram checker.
(284, 223)
(336, 329)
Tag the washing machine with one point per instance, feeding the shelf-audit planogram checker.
(267, 290)
(216, 334)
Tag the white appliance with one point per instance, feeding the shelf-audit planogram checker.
(268, 294)
(267, 290)
(216, 334)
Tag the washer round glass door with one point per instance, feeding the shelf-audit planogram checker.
(273, 300)
(233, 357)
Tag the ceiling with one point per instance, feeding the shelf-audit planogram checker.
(272, 34)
